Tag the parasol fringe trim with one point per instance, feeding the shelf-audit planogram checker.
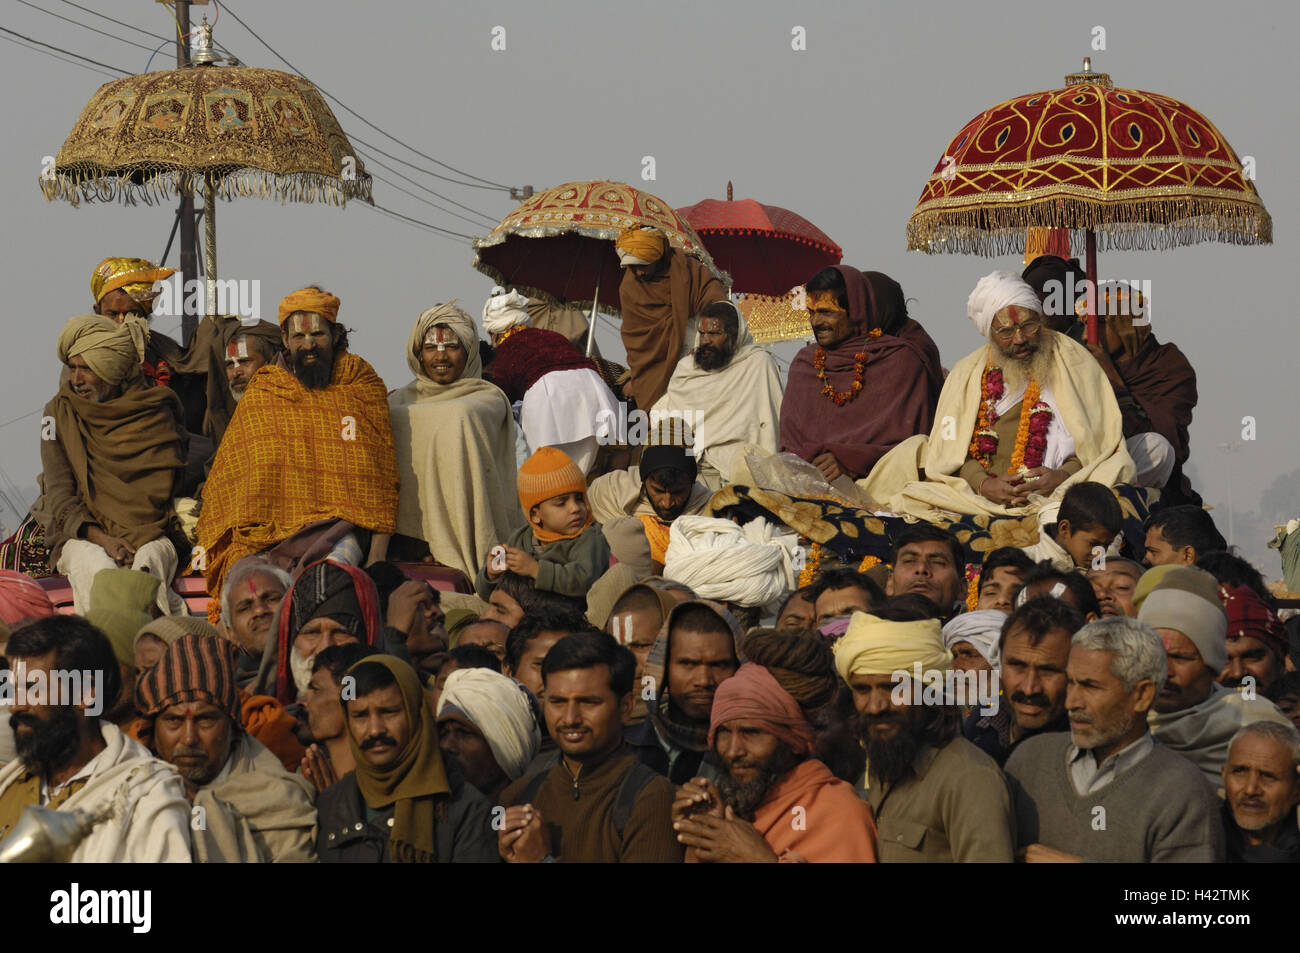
(1127, 226)
(165, 185)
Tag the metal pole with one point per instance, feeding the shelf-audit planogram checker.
(1090, 249)
(591, 328)
(210, 239)
(189, 238)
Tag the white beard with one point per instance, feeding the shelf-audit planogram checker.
(301, 669)
(1017, 374)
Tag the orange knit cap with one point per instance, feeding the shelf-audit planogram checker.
(548, 473)
(309, 299)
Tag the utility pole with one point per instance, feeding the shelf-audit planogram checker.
(189, 251)
(1229, 449)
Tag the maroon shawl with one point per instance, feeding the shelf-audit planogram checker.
(901, 381)
(522, 359)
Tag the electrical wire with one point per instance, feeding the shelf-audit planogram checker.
(389, 155)
(488, 183)
(113, 19)
(84, 26)
(437, 230)
(421, 198)
(62, 50)
(56, 56)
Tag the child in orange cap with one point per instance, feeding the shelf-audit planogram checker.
(562, 548)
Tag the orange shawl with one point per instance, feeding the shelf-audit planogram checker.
(655, 318)
(293, 456)
(814, 817)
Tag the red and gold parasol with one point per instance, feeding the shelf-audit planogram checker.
(559, 244)
(1132, 169)
(765, 248)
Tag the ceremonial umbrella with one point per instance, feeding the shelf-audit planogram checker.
(230, 130)
(559, 244)
(1132, 169)
(766, 249)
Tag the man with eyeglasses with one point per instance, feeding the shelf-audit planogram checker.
(1019, 421)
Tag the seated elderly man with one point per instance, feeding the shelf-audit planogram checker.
(1193, 714)
(730, 389)
(455, 445)
(112, 455)
(637, 506)
(401, 804)
(1106, 792)
(559, 393)
(1019, 421)
(306, 469)
(252, 809)
(869, 382)
(71, 759)
(661, 291)
(488, 728)
(123, 291)
(245, 349)
(250, 599)
(331, 603)
(1261, 789)
(775, 801)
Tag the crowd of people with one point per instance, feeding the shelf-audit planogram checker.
(456, 621)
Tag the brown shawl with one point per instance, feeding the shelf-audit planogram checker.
(1160, 378)
(121, 460)
(655, 318)
(901, 381)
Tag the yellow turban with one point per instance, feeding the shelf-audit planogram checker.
(109, 349)
(135, 276)
(874, 646)
(309, 299)
(640, 246)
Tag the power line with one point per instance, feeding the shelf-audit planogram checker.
(113, 19)
(436, 229)
(84, 26)
(60, 49)
(56, 56)
(421, 198)
(411, 165)
(406, 178)
(489, 184)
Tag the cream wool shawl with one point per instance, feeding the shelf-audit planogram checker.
(1087, 407)
(455, 448)
(729, 408)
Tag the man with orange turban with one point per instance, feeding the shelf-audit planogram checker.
(775, 801)
(306, 469)
(662, 291)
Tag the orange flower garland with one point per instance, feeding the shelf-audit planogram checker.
(1022, 432)
(859, 369)
(813, 560)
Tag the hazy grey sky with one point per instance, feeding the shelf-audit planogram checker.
(845, 133)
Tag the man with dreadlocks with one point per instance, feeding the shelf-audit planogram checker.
(775, 801)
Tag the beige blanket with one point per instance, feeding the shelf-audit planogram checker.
(1088, 410)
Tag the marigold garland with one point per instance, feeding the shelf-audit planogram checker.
(1031, 433)
(868, 562)
(972, 587)
(811, 562)
(859, 369)
(509, 333)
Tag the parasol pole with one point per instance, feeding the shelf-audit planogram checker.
(1090, 249)
(591, 328)
(210, 238)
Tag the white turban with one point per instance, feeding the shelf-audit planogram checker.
(982, 629)
(498, 707)
(998, 290)
(504, 311)
(748, 565)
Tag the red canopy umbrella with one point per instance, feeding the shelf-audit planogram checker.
(1127, 168)
(766, 249)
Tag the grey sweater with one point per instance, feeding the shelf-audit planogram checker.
(1159, 811)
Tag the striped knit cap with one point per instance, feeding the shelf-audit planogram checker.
(548, 473)
(194, 668)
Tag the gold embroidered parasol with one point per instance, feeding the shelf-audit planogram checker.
(227, 130)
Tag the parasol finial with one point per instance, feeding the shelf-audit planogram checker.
(728, 190)
(203, 45)
(1087, 77)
